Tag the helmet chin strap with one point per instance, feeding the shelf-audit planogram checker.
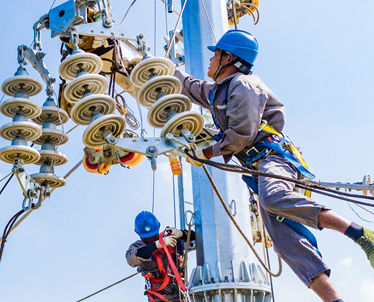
(220, 67)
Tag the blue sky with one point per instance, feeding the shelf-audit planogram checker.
(317, 58)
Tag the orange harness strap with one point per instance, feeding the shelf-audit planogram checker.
(171, 263)
(165, 278)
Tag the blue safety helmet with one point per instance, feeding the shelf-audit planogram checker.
(239, 43)
(146, 225)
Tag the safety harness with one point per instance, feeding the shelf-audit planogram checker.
(275, 143)
(168, 275)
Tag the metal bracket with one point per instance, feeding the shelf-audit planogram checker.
(150, 147)
(36, 60)
(30, 188)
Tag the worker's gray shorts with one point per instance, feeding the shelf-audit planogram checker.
(277, 198)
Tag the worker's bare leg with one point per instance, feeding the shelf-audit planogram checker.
(323, 287)
(331, 220)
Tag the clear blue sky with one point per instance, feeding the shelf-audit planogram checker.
(316, 57)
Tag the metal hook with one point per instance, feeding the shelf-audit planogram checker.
(24, 206)
(98, 166)
(119, 161)
(40, 199)
(192, 218)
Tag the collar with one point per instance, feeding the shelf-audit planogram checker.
(215, 86)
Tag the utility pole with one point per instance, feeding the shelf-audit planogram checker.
(225, 265)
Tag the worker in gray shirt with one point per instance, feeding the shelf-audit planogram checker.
(148, 255)
(251, 118)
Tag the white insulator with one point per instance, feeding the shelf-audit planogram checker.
(93, 135)
(58, 116)
(12, 85)
(55, 136)
(83, 111)
(54, 181)
(95, 83)
(190, 120)
(160, 111)
(56, 158)
(149, 92)
(367, 182)
(79, 61)
(29, 130)
(10, 108)
(144, 70)
(28, 154)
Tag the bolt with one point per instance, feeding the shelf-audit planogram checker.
(112, 139)
(191, 137)
(47, 194)
(152, 149)
(32, 193)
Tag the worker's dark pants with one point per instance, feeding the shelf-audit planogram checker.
(277, 198)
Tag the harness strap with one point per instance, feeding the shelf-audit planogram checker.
(158, 295)
(171, 263)
(301, 230)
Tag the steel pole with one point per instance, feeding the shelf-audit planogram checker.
(224, 261)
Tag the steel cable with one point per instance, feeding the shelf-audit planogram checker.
(305, 184)
(109, 286)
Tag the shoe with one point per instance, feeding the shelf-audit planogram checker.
(366, 242)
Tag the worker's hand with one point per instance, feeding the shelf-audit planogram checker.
(199, 154)
(174, 232)
(169, 241)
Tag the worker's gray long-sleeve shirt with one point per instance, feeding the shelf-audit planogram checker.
(240, 103)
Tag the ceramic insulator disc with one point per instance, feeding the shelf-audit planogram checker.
(75, 63)
(28, 154)
(55, 136)
(28, 129)
(82, 111)
(93, 136)
(12, 85)
(10, 107)
(158, 113)
(58, 116)
(75, 90)
(148, 93)
(151, 66)
(54, 181)
(190, 120)
(56, 158)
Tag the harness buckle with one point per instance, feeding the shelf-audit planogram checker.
(263, 124)
(280, 218)
(148, 284)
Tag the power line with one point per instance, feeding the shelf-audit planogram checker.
(101, 290)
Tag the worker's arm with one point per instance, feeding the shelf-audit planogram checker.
(145, 252)
(196, 90)
(132, 254)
